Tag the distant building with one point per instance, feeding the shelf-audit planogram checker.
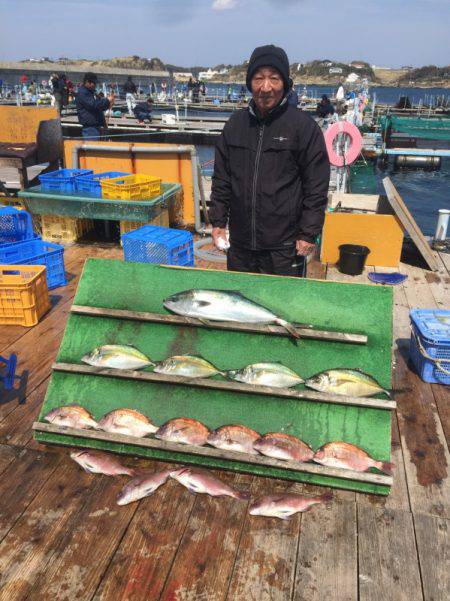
(181, 75)
(208, 74)
(334, 70)
(358, 65)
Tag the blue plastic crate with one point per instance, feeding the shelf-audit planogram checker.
(62, 180)
(155, 244)
(429, 348)
(37, 252)
(15, 225)
(90, 184)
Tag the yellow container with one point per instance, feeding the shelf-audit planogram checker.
(131, 187)
(129, 226)
(23, 294)
(64, 230)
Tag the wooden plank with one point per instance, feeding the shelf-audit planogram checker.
(408, 222)
(178, 320)
(265, 562)
(139, 568)
(327, 555)
(142, 376)
(433, 546)
(7, 455)
(205, 557)
(387, 556)
(155, 443)
(442, 399)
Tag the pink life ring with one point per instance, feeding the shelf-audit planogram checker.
(355, 143)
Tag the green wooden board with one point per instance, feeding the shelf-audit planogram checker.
(328, 305)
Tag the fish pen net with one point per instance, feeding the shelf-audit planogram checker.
(433, 129)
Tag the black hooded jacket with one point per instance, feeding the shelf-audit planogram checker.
(270, 178)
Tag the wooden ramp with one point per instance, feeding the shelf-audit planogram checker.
(64, 538)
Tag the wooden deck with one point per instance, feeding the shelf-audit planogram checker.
(64, 538)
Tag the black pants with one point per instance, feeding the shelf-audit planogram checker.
(273, 262)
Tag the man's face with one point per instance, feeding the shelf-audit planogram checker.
(90, 85)
(267, 89)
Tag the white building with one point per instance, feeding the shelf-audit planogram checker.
(207, 74)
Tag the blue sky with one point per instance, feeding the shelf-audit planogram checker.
(210, 32)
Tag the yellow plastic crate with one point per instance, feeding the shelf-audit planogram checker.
(23, 294)
(7, 201)
(162, 219)
(64, 230)
(131, 187)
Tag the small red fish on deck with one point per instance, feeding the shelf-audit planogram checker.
(284, 506)
(97, 462)
(197, 481)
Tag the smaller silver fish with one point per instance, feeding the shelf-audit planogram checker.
(201, 482)
(127, 421)
(284, 506)
(97, 462)
(117, 356)
(71, 416)
(183, 430)
(187, 366)
(266, 374)
(350, 382)
(142, 486)
(234, 438)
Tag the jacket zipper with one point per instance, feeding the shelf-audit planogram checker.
(255, 179)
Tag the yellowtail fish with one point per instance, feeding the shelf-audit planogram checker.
(283, 446)
(224, 305)
(127, 421)
(183, 430)
(187, 366)
(284, 506)
(71, 416)
(234, 438)
(201, 482)
(350, 457)
(350, 382)
(142, 486)
(117, 356)
(97, 462)
(266, 374)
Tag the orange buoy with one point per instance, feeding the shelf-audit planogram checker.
(352, 153)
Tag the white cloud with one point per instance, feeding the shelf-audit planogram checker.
(224, 4)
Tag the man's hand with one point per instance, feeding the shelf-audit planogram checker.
(219, 233)
(304, 248)
(111, 98)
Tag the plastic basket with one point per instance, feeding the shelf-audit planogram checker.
(62, 180)
(23, 294)
(429, 348)
(37, 252)
(15, 225)
(129, 226)
(131, 187)
(153, 244)
(64, 229)
(90, 184)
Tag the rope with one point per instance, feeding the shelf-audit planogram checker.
(424, 353)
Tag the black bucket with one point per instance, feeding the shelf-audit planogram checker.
(352, 258)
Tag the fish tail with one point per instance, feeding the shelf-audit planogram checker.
(224, 374)
(327, 497)
(132, 472)
(385, 466)
(289, 327)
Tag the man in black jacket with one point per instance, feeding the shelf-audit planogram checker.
(90, 108)
(271, 176)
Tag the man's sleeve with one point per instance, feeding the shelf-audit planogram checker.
(91, 103)
(315, 173)
(219, 207)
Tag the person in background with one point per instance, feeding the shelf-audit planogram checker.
(90, 108)
(271, 176)
(153, 90)
(32, 90)
(190, 87)
(292, 96)
(196, 91)
(324, 107)
(229, 92)
(130, 90)
(143, 110)
(242, 94)
(55, 87)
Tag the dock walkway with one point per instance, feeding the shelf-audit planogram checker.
(63, 538)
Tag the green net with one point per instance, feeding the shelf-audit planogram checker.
(435, 129)
(362, 178)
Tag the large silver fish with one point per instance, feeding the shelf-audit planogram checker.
(127, 421)
(187, 366)
(117, 356)
(284, 506)
(350, 457)
(184, 430)
(266, 374)
(223, 305)
(283, 446)
(97, 462)
(350, 382)
(197, 481)
(142, 486)
(234, 438)
(71, 416)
